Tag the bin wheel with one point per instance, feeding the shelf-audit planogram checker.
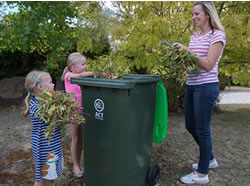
(153, 175)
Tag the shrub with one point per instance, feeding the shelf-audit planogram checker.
(175, 94)
(18, 63)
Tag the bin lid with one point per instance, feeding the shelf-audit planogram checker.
(128, 82)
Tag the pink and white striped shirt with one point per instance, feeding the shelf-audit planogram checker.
(200, 45)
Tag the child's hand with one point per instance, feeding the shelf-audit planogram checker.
(102, 75)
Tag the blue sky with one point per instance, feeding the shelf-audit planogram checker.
(5, 9)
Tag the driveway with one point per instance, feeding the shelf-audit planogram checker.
(235, 95)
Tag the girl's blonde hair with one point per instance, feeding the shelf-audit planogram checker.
(73, 59)
(209, 8)
(33, 78)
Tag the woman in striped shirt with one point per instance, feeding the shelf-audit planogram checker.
(202, 90)
(48, 157)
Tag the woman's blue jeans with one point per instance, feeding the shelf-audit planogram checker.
(198, 107)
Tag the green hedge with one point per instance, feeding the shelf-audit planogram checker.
(18, 63)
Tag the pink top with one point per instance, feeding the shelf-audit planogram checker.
(200, 45)
(73, 88)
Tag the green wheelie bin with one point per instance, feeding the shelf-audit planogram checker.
(118, 130)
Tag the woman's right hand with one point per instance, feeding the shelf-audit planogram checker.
(181, 46)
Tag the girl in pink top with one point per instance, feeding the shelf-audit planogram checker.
(76, 67)
(202, 90)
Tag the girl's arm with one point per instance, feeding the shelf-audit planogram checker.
(83, 74)
(212, 56)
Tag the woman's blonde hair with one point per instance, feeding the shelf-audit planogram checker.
(73, 59)
(209, 8)
(33, 78)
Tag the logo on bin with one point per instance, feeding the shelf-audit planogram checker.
(99, 107)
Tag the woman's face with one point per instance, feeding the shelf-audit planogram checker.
(199, 17)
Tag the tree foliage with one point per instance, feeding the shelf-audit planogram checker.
(144, 25)
(136, 31)
(137, 28)
(92, 28)
(50, 29)
(42, 27)
(141, 26)
(235, 17)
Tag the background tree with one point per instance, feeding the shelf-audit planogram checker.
(141, 26)
(92, 29)
(235, 18)
(42, 28)
(138, 31)
(52, 30)
(47, 32)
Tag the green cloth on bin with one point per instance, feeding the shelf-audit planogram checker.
(161, 114)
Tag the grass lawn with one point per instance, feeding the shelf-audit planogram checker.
(231, 147)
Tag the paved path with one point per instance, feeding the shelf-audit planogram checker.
(235, 95)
